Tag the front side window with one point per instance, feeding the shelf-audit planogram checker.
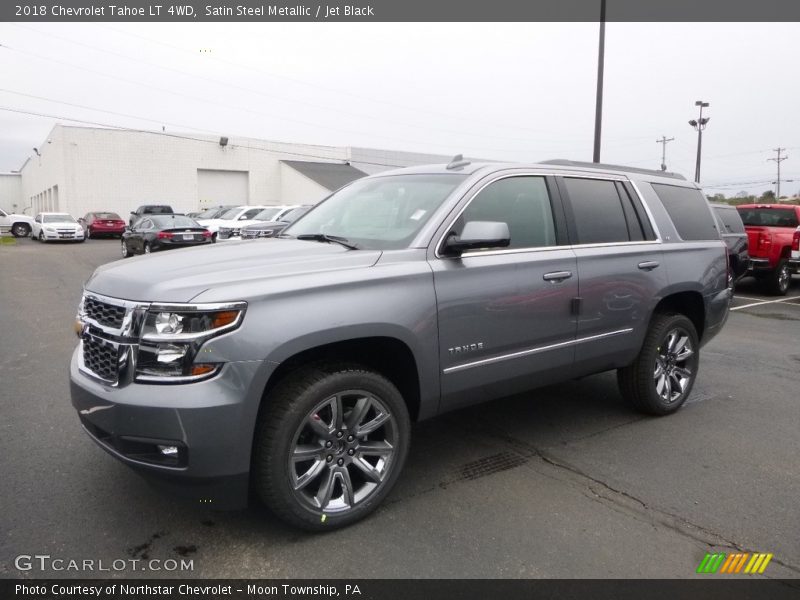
(522, 203)
(380, 213)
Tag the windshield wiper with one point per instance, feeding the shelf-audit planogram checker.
(324, 237)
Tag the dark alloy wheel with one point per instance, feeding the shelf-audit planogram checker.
(330, 446)
(661, 378)
(20, 230)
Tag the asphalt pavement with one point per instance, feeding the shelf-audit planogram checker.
(561, 482)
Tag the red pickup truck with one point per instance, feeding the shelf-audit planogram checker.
(771, 236)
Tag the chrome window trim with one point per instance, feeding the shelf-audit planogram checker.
(438, 254)
(535, 350)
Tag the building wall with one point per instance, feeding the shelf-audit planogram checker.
(11, 199)
(83, 169)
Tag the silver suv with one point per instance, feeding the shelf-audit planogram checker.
(294, 366)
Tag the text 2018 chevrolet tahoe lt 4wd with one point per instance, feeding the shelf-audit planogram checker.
(294, 366)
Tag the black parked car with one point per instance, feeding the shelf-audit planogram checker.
(273, 228)
(732, 230)
(162, 232)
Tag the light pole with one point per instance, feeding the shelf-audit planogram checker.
(664, 141)
(778, 161)
(598, 108)
(699, 125)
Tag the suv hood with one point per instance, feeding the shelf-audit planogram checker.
(180, 275)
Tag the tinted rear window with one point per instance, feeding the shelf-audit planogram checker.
(769, 217)
(688, 209)
(730, 220)
(176, 221)
(596, 205)
(158, 210)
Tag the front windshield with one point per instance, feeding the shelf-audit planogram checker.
(267, 214)
(57, 219)
(380, 213)
(230, 214)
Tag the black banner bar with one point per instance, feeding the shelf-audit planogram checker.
(397, 10)
(712, 588)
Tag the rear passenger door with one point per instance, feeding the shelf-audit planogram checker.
(505, 321)
(620, 269)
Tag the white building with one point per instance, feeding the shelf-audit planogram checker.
(83, 169)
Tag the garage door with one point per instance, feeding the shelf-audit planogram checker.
(216, 187)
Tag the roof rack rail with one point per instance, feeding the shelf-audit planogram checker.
(589, 165)
(458, 162)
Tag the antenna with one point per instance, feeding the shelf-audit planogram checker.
(457, 162)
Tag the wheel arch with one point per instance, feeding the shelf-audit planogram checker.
(686, 302)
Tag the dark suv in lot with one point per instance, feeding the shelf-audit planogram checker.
(294, 366)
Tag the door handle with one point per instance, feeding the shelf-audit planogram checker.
(557, 276)
(648, 265)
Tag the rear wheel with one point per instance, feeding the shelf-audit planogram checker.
(778, 281)
(329, 445)
(125, 250)
(661, 378)
(146, 248)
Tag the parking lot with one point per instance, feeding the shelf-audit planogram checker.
(561, 482)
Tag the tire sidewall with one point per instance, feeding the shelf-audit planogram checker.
(273, 454)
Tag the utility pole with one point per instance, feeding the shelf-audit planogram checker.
(598, 109)
(778, 161)
(664, 141)
(699, 126)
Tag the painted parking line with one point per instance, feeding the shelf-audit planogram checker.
(760, 302)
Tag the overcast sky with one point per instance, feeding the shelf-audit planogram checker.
(518, 91)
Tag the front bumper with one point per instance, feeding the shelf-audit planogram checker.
(210, 422)
(52, 236)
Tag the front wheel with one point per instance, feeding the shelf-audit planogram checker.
(661, 378)
(21, 230)
(329, 445)
(41, 237)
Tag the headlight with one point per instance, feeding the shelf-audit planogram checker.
(172, 335)
(79, 230)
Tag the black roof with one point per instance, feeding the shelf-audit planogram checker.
(329, 175)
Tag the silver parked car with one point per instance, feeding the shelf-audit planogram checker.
(296, 365)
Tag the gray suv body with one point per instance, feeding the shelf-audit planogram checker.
(293, 367)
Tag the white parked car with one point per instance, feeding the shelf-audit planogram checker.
(231, 230)
(18, 225)
(232, 215)
(51, 226)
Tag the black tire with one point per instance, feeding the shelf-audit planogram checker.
(147, 248)
(662, 362)
(294, 416)
(20, 230)
(126, 252)
(778, 281)
(41, 237)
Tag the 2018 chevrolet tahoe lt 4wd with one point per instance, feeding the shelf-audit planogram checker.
(294, 366)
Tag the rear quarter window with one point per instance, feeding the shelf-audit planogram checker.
(729, 219)
(689, 211)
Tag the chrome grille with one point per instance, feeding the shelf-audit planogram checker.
(257, 233)
(100, 357)
(105, 314)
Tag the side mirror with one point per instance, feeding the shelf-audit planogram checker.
(479, 234)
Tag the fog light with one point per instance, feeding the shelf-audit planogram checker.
(168, 450)
(169, 353)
